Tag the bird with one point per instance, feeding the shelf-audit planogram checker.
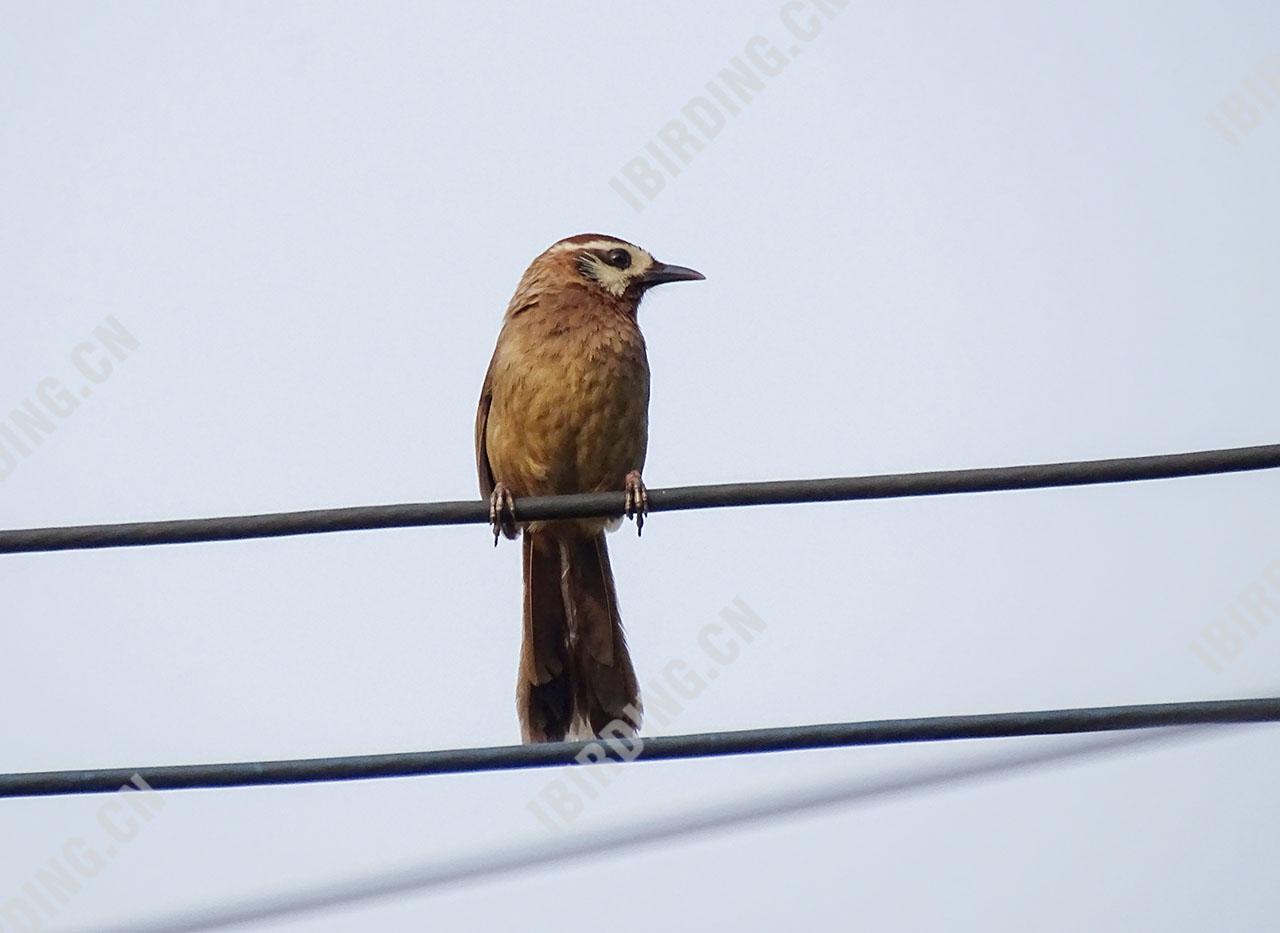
(565, 409)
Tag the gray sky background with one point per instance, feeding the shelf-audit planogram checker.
(942, 236)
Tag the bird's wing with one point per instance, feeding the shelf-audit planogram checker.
(483, 469)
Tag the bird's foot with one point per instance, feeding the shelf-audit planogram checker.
(502, 513)
(637, 500)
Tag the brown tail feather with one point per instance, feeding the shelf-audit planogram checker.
(544, 691)
(605, 687)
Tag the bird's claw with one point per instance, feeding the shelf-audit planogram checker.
(502, 513)
(637, 500)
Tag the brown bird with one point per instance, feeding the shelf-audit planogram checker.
(565, 409)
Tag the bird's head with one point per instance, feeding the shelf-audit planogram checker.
(594, 261)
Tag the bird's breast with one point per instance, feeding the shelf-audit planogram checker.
(570, 404)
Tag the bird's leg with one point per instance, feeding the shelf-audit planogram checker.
(502, 513)
(637, 500)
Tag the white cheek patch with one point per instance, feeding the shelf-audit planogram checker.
(612, 279)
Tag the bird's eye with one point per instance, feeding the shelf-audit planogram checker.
(618, 258)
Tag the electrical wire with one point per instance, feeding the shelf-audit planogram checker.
(538, 855)
(586, 505)
(661, 748)
(1148, 717)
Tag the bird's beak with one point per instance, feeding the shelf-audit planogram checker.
(660, 272)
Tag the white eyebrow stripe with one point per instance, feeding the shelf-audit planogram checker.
(590, 244)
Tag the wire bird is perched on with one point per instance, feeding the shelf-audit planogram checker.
(565, 409)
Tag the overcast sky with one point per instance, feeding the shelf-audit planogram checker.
(254, 258)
